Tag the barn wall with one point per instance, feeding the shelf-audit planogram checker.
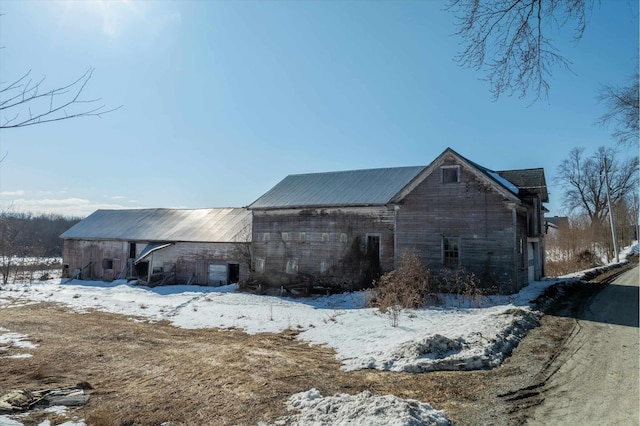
(191, 261)
(327, 245)
(470, 209)
(88, 256)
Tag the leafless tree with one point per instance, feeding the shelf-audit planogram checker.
(623, 110)
(507, 38)
(583, 179)
(25, 102)
(10, 245)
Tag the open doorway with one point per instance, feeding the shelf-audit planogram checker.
(373, 259)
(233, 271)
(142, 270)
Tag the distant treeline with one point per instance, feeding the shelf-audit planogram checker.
(25, 234)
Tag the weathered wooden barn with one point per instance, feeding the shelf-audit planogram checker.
(345, 228)
(161, 246)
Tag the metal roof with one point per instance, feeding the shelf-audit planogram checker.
(346, 188)
(380, 186)
(165, 225)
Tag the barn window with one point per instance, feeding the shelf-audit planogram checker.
(302, 237)
(451, 251)
(285, 236)
(450, 174)
(292, 266)
(266, 237)
(325, 237)
(343, 238)
(325, 265)
(107, 263)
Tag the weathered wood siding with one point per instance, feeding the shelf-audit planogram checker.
(321, 244)
(470, 209)
(88, 256)
(191, 260)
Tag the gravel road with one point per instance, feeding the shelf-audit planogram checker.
(594, 380)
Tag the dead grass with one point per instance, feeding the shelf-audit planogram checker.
(149, 374)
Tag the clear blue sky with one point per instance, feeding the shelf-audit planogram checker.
(223, 99)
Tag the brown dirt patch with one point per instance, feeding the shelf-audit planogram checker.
(149, 373)
(153, 373)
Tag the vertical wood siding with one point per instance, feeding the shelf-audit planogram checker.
(321, 242)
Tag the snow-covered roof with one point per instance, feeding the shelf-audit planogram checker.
(165, 225)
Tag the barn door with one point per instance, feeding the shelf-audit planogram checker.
(531, 262)
(373, 257)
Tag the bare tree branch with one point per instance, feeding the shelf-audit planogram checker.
(506, 39)
(20, 98)
(584, 181)
(623, 110)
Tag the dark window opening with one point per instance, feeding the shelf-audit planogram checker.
(450, 174)
(107, 263)
(451, 251)
(132, 250)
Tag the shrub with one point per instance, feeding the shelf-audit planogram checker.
(462, 282)
(410, 286)
(583, 260)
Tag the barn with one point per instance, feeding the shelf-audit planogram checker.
(161, 246)
(343, 229)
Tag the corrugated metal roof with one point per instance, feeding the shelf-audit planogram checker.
(165, 225)
(347, 188)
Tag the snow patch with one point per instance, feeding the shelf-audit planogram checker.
(10, 340)
(361, 409)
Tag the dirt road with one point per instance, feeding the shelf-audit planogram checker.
(594, 380)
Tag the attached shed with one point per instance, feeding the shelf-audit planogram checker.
(161, 246)
(345, 228)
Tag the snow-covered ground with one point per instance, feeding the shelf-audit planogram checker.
(459, 334)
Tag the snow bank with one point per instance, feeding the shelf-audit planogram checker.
(362, 409)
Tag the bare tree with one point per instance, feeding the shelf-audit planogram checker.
(507, 38)
(583, 179)
(623, 110)
(24, 102)
(11, 232)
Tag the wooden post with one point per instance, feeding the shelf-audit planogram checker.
(611, 218)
